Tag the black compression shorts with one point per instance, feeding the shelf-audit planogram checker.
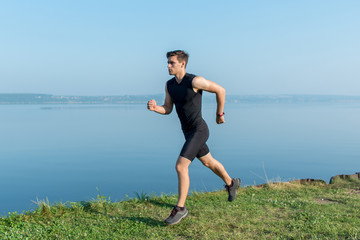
(195, 144)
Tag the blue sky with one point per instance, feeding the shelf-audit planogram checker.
(118, 47)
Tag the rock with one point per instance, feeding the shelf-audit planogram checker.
(345, 177)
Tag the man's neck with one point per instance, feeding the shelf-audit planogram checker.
(179, 77)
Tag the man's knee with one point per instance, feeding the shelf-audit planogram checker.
(182, 164)
(178, 167)
(181, 168)
(206, 163)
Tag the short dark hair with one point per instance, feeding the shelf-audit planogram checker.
(181, 55)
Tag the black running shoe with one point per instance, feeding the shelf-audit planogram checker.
(176, 215)
(232, 189)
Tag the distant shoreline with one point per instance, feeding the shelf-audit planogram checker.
(30, 98)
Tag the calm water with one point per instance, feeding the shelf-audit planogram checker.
(65, 152)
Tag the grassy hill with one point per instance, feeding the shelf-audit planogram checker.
(273, 211)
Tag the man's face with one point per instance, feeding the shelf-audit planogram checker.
(174, 66)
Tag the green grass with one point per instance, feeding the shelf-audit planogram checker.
(273, 211)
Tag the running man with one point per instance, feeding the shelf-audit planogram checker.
(185, 91)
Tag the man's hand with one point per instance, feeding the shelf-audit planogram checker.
(151, 105)
(220, 119)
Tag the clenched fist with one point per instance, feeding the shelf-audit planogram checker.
(151, 105)
(220, 119)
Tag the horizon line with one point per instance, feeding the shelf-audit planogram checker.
(152, 94)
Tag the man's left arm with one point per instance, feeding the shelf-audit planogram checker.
(200, 83)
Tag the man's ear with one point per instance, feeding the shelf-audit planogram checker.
(183, 64)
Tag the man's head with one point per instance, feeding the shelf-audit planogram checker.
(177, 61)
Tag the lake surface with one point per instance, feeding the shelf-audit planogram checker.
(65, 152)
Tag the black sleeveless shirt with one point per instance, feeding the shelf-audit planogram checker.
(187, 102)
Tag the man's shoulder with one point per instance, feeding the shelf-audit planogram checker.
(191, 76)
(196, 78)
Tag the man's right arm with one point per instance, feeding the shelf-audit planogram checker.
(164, 109)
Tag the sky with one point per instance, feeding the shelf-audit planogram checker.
(110, 47)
